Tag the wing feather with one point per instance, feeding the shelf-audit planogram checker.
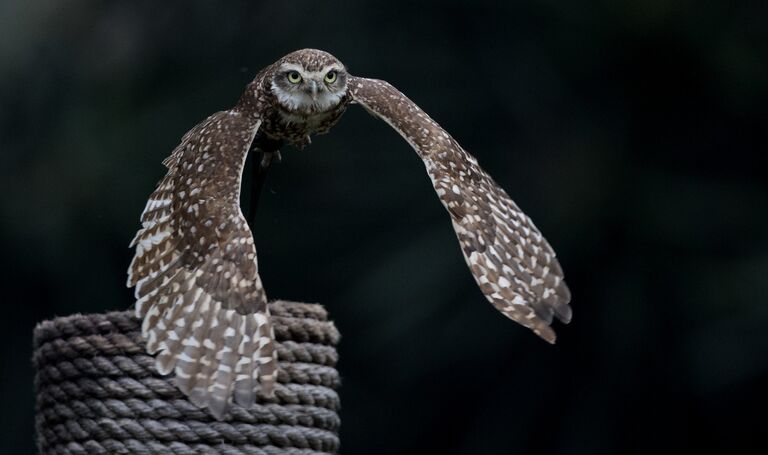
(195, 271)
(511, 262)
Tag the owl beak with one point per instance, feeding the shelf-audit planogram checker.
(313, 90)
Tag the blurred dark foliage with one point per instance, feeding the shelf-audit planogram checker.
(633, 133)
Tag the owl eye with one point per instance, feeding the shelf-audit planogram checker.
(294, 77)
(330, 77)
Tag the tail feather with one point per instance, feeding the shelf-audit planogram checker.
(212, 359)
(267, 355)
(192, 357)
(219, 355)
(205, 357)
(244, 385)
(241, 361)
(223, 379)
(154, 305)
(161, 309)
(161, 320)
(171, 344)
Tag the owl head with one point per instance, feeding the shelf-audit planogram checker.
(309, 81)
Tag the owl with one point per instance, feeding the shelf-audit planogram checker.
(195, 271)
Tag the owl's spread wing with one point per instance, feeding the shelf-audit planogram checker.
(511, 261)
(197, 285)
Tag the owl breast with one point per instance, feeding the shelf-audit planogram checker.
(296, 127)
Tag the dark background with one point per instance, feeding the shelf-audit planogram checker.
(631, 132)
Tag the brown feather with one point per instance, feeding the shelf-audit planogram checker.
(513, 264)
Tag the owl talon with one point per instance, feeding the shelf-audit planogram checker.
(268, 158)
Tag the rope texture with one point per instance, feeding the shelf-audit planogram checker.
(98, 392)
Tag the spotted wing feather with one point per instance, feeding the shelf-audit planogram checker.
(511, 261)
(195, 271)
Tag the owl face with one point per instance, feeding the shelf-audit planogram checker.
(309, 82)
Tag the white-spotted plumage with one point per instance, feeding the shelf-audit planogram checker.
(195, 270)
(511, 261)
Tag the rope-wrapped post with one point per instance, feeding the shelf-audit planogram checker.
(98, 392)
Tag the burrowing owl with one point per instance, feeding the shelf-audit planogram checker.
(198, 290)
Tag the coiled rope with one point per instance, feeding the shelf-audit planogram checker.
(98, 392)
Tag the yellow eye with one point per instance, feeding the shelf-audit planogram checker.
(330, 77)
(294, 77)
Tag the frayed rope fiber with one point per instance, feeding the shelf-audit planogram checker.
(98, 392)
